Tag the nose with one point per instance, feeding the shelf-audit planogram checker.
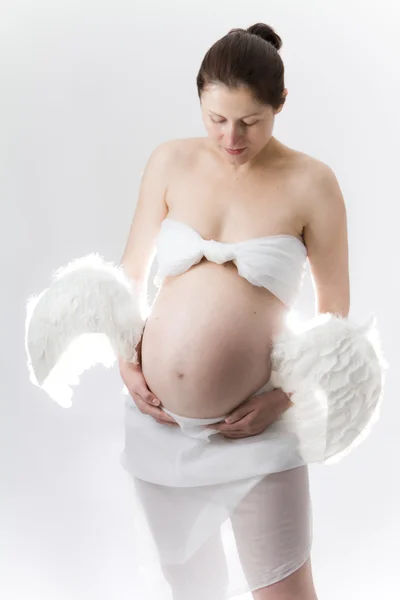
(233, 137)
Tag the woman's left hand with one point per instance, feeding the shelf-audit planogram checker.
(254, 415)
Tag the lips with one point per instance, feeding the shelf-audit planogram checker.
(238, 151)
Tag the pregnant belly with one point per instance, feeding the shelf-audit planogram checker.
(207, 341)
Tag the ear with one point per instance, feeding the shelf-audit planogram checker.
(284, 93)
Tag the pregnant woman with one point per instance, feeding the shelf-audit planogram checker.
(226, 408)
(237, 194)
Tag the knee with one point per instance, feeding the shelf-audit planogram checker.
(299, 585)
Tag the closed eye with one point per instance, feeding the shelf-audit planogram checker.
(246, 124)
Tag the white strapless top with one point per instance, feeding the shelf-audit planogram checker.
(276, 262)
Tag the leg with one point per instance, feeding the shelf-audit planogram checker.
(203, 576)
(273, 532)
(297, 586)
(170, 515)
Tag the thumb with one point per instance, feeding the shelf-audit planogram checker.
(140, 386)
(147, 395)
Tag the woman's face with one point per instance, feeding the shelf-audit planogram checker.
(235, 120)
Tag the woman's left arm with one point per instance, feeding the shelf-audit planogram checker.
(325, 235)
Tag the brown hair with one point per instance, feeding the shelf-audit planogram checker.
(248, 57)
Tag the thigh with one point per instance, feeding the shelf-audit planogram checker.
(192, 561)
(273, 527)
(203, 576)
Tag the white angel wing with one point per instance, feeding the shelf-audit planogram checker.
(336, 370)
(88, 296)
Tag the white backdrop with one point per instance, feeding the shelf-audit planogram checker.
(87, 90)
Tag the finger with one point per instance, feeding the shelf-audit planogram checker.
(236, 437)
(225, 428)
(239, 435)
(235, 416)
(235, 434)
(163, 417)
(156, 413)
(148, 396)
(141, 388)
(219, 427)
(166, 417)
(289, 395)
(145, 393)
(237, 426)
(242, 411)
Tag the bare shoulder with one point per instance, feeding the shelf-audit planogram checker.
(319, 172)
(166, 150)
(321, 192)
(312, 168)
(181, 145)
(177, 153)
(189, 148)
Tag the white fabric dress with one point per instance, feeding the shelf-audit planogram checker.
(222, 517)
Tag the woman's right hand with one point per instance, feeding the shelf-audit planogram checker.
(144, 399)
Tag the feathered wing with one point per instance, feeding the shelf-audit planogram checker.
(91, 313)
(336, 370)
(88, 315)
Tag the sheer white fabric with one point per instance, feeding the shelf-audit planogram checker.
(263, 539)
(226, 516)
(276, 262)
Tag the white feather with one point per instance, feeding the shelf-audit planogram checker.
(336, 371)
(88, 315)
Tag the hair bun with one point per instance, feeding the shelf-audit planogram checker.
(266, 33)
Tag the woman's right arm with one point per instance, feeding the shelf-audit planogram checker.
(151, 209)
